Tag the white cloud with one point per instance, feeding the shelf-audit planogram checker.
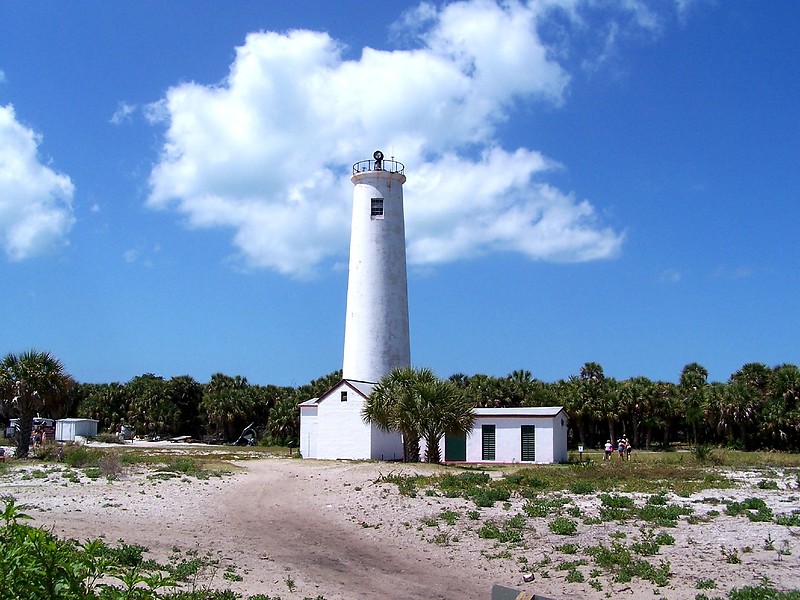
(123, 113)
(35, 201)
(266, 152)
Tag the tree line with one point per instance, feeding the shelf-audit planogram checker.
(757, 408)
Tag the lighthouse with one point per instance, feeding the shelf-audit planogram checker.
(376, 338)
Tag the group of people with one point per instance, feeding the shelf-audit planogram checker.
(623, 447)
(38, 436)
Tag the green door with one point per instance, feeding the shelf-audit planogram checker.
(487, 442)
(455, 447)
(528, 443)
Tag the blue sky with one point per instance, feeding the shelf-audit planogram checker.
(614, 182)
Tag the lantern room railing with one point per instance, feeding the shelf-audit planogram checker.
(389, 165)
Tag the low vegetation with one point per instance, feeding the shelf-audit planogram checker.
(648, 499)
(36, 564)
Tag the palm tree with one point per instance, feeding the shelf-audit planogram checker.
(692, 386)
(284, 420)
(383, 407)
(635, 400)
(420, 406)
(30, 382)
(593, 395)
(443, 410)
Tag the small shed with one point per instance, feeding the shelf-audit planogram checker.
(67, 429)
(535, 435)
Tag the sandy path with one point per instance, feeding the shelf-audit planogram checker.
(292, 513)
(280, 520)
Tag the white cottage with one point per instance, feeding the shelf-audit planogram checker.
(331, 426)
(534, 435)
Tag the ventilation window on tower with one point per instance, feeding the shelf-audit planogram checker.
(376, 210)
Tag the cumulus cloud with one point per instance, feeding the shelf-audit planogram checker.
(266, 152)
(35, 201)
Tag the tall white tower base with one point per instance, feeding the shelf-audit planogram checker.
(376, 338)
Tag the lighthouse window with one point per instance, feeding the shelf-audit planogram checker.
(376, 208)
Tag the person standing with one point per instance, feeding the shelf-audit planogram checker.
(607, 450)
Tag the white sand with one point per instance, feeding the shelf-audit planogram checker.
(330, 530)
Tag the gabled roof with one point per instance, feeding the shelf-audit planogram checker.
(526, 411)
(362, 388)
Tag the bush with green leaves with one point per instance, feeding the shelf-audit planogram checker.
(36, 564)
(765, 591)
(663, 515)
(81, 456)
(582, 487)
(544, 507)
(618, 560)
(754, 509)
(789, 520)
(563, 526)
(506, 534)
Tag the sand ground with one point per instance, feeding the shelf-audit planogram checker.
(303, 529)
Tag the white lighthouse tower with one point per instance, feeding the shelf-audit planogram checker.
(376, 338)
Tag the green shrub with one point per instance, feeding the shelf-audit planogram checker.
(486, 497)
(544, 507)
(568, 548)
(490, 530)
(81, 456)
(792, 520)
(762, 592)
(614, 514)
(182, 464)
(575, 576)
(613, 501)
(448, 516)
(526, 483)
(582, 487)
(563, 526)
(665, 516)
(664, 539)
(657, 499)
(754, 509)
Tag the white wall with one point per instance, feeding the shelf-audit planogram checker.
(341, 433)
(508, 445)
(386, 445)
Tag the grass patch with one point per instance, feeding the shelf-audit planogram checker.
(754, 509)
